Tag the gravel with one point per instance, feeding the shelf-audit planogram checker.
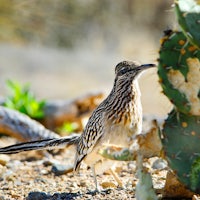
(32, 176)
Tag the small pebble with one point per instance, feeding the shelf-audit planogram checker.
(2, 171)
(15, 196)
(159, 164)
(4, 159)
(14, 165)
(106, 185)
(17, 182)
(132, 166)
(9, 175)
(37, 196)
(44, 172)
(82, 184)
(74, 185)
(195, 197)
(59, 169)
(47, 163)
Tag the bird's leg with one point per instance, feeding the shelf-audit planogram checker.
(95, 179)
(116, 177)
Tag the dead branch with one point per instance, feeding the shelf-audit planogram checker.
(20, 126)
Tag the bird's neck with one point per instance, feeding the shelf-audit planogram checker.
(124, 93)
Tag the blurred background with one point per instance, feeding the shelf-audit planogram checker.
(67, 48)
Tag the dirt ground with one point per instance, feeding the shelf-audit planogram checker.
(30, 176)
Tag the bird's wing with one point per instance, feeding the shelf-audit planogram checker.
(93, 131)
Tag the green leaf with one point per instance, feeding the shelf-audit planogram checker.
(68, 127)
(188, 14)
(23, 100)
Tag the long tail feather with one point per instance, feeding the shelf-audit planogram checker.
(41, 144)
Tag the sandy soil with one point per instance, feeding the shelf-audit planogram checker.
(30, 176)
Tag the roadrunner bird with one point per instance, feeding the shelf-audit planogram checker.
(114, 122)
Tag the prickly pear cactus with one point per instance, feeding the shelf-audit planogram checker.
(181, 145)
(188, 14)
(179, 73)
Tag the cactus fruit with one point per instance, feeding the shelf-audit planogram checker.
(179, 72)
(188, 14)
(181, 139)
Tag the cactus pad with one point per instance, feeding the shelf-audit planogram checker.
(179, 72)
(188, 13)
(181, 139)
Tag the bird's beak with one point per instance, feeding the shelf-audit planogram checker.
(145, 66)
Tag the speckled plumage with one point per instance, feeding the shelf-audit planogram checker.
(116, 120)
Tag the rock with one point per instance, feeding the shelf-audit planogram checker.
(2, 171)
(63, 196)
(106, 185)
(82, 184)
(47, 163)
(174, 189)
(15, 196)
(59, 169)
(44, 172)
(14, 165)
(195, 197)
(37, 196)
(159, 164)
(4, 159)
(9, 175)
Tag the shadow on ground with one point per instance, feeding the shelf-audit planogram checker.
(56, 196)
(67, 196)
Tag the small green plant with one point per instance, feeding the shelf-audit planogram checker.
(23, 100)
(67, 128)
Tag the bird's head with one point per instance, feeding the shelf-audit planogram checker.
(129, 69)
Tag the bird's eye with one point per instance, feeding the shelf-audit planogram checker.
(123, 70)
